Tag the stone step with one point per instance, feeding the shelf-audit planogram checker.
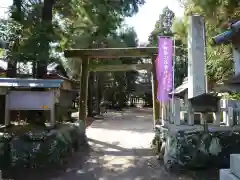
(226, 174)
(235, 164)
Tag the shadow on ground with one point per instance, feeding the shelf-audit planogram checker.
(118, 150)
(141, 165)
(103, 161)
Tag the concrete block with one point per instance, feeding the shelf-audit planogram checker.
(225, 174)
(235, 164)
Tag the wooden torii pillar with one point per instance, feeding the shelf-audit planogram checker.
(156, 105)
(83, 89)
(106, 53)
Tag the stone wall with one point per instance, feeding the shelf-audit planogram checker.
(234, 172)
(39, 147)
(197, 148)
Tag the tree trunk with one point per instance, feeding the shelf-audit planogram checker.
(43, 56)
(34, 73)
(12, 69)
(45, 39)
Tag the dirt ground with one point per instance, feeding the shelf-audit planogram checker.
(119, 150)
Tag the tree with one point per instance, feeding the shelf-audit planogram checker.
(216, 13)
(164, 27)
(48, 27)
(120, 85)
(47, 22)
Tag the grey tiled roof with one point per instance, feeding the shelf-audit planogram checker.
(30, 83)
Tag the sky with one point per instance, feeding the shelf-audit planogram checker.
(143, 22)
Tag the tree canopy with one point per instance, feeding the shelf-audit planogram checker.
(37, 28)
(38, 31)
(216, 13)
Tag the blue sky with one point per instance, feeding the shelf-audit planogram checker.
(143, 22)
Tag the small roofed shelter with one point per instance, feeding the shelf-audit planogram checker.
(28, 95)
(85, 55)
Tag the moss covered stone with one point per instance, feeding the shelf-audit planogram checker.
(41, 147)
(198, 149)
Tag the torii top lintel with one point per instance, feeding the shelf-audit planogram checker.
(105, 53)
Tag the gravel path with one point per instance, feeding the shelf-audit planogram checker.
(119, 150)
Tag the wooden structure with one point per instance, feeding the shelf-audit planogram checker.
(85, 55)
(27, 95)
(204, 106)
(66, 94)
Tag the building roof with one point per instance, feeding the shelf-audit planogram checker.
(30, 83)
(180, 90)
(58, 76)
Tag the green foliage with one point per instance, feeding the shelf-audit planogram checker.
(46, 28)
(162, 26)
(65, 23)
(216, 13)
(120, 85)
(168, 26)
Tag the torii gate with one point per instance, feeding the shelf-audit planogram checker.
(85, 55)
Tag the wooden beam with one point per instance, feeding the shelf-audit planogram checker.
(106, 53)
(121, 67)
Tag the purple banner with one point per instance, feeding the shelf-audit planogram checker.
(164, 68)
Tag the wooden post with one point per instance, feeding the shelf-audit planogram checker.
(83, 90)
(156, 107)
(52, 112)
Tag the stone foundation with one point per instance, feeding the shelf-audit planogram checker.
(40, 146)
(195, 148)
